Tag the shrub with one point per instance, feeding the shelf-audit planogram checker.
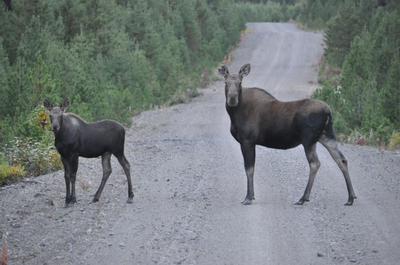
(11, 173)
(36, 157)
(394, 142)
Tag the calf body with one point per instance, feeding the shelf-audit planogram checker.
(74, 138)
(257, 118)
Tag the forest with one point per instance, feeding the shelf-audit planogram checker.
(113, 59)
(360, 73)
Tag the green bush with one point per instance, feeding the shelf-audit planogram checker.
(10, 173)
(111, 60)
(366, 50)
(36, 158)
(394, 142)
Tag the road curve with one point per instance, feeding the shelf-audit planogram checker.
(189, 180)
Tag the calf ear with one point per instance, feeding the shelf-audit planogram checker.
(65, 104)
(245, 70)
(47, 104)
(223, 70)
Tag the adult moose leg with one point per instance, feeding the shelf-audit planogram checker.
(314, 164)
(127, 169)
(106, 163)
(67, 170)
(249, 156)
(331, 145)
(74, 161)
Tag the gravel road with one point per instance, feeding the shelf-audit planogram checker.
(189, 181)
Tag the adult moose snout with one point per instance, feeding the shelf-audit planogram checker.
(232, 99)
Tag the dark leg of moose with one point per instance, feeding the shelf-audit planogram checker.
(67, 171)
(331, 145)
(106, 163)
(314, 164)
(127, 169)
(249, 156)
(74, 161)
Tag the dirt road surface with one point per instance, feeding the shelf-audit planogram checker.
(189, 181)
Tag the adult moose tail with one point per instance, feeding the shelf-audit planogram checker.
(328, 130)
(4, 251)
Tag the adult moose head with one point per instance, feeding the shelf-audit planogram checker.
(258, 118)
(74, 138)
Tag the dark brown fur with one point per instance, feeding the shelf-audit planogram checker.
(257, 118)
(74, 138)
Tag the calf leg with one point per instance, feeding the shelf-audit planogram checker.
(314, 164)
(74, 168)
(249, 156)
(67, 171)
(127, 169)
(331, 145)
(106, 163)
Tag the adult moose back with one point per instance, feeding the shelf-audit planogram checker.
(258, 118)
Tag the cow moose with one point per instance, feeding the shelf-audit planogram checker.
(74, 138)
(258, 118)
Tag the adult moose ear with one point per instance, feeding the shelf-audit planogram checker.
(223, 70)
(47, 104)
(64, 105)
(245, 70)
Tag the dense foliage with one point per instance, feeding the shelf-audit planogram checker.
(361, 72)
(110, 58)
(115, 58)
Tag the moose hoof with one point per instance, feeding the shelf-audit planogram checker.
(69, 201)
(130, 200)
(301, 201)
(247, 201)
(95, 200)
(350, 202)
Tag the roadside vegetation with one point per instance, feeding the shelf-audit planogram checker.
(360, 73)
(112, 59)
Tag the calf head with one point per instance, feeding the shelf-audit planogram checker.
(233, 84)
(56, 114)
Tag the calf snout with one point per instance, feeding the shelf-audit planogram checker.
(55, 128)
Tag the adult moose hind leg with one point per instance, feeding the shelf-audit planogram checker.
(331, 145)
(127, 169)
(106, 163)
(249, 156)
(314, 164)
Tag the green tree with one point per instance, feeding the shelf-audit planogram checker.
(340, 33)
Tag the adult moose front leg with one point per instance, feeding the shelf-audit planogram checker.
(249, 156)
